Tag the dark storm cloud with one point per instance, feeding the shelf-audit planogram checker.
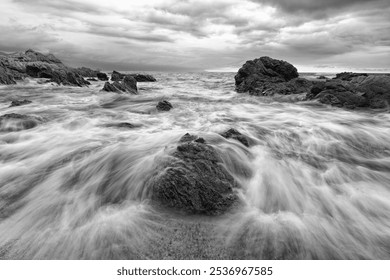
(318, 7)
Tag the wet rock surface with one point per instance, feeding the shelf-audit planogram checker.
(164, 106)
(128, 85)
(194, 180)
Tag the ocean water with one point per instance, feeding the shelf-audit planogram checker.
(315, 185)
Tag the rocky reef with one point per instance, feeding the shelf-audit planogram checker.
(127, 84)
(193, 180)
(18, 66)
(116, 76)
(268, 76)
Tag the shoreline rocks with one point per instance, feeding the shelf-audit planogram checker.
(116, 76)
(164, 106)
(20, 102)
(193, 180)
(18, 66)
(128, 85)
(16, 122)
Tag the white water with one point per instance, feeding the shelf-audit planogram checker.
(316, 184)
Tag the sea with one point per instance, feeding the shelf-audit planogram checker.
(314, 185)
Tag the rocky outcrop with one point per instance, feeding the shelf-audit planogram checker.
(102, 76)
(116, 76)
(194, 180)
(164, 106)
(20, 102)
(16, 122)
(128, 85)
(353, 90)
(267, 76)
(17, 66)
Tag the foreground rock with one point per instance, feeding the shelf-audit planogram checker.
(193, 180)
(164, 106)
(16, 122)
(127, 85)
(20, 102)
(116, 76)
(267, 76)
(18, 66)
(353, 90)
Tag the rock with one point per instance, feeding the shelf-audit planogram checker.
(34, 64)
(164, 106)
(102, 76)
(264, 76)
(236, 135)
(16, 122)
(92, 80)
(322, 78)
(20, 102)
(347, 76)
(194, 180)
(116, 76)
(353, 90)
(129, 85)
(143, 78)
(123, 125)
(86, 72)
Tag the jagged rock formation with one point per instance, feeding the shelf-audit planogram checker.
(116, 76)
(128, 85)
(17, 66)
(236, 135)
(194, 180)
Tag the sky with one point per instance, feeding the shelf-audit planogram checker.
(196, 35)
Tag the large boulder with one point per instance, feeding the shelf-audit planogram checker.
(194, 180)
(265, 76)
(17, 66)
(102, 76)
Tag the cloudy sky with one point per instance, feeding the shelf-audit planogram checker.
(314, 35)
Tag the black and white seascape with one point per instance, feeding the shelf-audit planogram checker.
(214, 130)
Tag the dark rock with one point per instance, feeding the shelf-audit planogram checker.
(236, 135)
(130, 84)
(116, 76)
(34, 64)
(102, 76)
(109, 87)
(347, 76)
(322, 77)
(122, 125)
(342, 98)
(164, 106)
(194, 180)
(92, 80)
(143, 78)
(16, 122)
(86, 72)
(20, 102)
(265, 76)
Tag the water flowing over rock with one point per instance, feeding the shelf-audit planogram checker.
(17, 66)
(16, 122)
(236, 135)
(164, 106)
(194, 180)
(266, 74)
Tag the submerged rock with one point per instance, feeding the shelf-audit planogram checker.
(236, 135)
(267, 76)
(164, 106)
(20, 102)
(122, 125)
(194, 180)
(16, 122)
